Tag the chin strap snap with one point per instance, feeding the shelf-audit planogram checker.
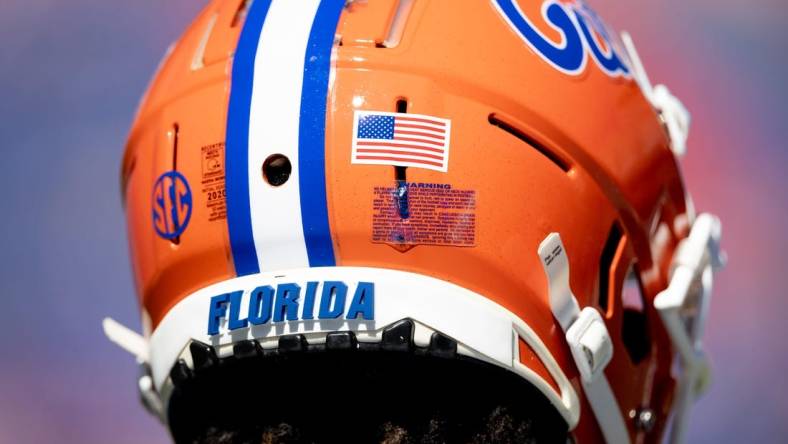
(683, 307)
(588, 339)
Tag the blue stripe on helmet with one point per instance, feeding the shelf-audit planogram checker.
(239, 219)
(312, 134)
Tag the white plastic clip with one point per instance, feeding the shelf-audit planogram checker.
(684, 307)
(136, 345)
(126, 338)
(675, 115)
(588, 339)
(590, 343)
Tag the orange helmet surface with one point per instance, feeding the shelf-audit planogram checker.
(494, 180)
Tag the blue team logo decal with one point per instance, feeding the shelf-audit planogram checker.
(291, 302)
(583, 34)
(172, 205)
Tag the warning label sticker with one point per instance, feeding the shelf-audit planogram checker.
(424, 214)
(213, 181)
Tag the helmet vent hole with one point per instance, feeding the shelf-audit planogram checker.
(174, 134)
(401, 177)
(605, 263)
(277, 169)
(240, 13)
(128, 170)
(516, 132)
(634, 327)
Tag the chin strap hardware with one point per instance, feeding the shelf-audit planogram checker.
(588, 339)
(137, 346)
(684, 308)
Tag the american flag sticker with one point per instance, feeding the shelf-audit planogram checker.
(399, 139)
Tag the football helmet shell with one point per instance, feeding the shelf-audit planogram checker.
(245, 170)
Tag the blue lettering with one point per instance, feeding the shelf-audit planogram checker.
(261, 303)
(363, 302)
(611, 64)
(570, 55)
(216, 312)
(283, 303)
(235, 311)
(336, 292)
(287, 302)
(309, 301)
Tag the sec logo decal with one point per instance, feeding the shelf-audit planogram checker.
(172, 205)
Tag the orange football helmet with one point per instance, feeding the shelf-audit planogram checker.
(490, 180)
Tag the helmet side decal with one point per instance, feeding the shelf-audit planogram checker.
(579, 26)
(172, 205)
(438, 214)
(401, 139)
(607, 59)
(568, 56)
(269, 304)
(277, 107)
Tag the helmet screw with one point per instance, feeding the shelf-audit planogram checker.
(644, 418)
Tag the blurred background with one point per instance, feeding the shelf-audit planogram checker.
(72, 73)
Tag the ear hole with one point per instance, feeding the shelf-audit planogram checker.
(277, 169)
